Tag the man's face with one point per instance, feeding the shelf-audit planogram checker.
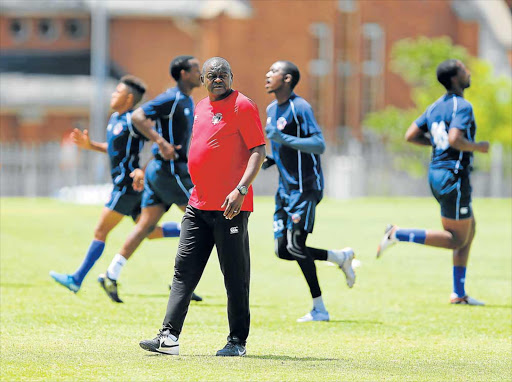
(193, 75)
(217, 79)
(120, 97)
(463, 77)
(275, 77)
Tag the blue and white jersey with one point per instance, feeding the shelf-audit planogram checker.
(297, 170)
(449, 111)
(173, 113)
(124, 145)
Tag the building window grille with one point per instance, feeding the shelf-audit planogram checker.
(19, 30)
(47, 29)
(372, 68)
(76, 29)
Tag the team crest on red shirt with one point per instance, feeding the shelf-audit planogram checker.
(216, 118)
(281, 123)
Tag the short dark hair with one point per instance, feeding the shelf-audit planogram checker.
(446, 70)
(178, 64)
(136, 87)
(291, 69)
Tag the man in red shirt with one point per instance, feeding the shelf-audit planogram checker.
(225, 155)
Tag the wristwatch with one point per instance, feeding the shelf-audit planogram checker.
(242, 189)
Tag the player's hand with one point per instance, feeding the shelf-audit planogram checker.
(483, 147)
(167, 150)
(268, 162)
(81, 138)
(232, 204)
(273, 133)
(138, 179)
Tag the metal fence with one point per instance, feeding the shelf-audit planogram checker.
(53, 169)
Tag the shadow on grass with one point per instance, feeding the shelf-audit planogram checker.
(364, 322)
(270, 357)
(493, 306)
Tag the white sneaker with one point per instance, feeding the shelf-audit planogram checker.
(387, 241)
(164, 343)
(314, 315)
(344, 260)
(466, 300)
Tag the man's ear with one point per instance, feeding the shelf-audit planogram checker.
(130, 99)
(287, 79)
(202, 79)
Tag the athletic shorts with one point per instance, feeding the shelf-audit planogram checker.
(166, 183)
(125, 200)
(452, 191)
(295, 211)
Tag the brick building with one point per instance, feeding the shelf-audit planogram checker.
(49, 49)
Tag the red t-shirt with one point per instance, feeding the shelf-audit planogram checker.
(223, 133)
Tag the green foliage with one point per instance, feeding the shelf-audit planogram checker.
(395, 324)
(416, 60)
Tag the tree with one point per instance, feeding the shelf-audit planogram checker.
(416, 60)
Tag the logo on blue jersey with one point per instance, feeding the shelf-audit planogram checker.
(296, 218)
(281, 123)
(186, 111)
(216, 118)
(269, 120)
(109, 127)
(118, 128)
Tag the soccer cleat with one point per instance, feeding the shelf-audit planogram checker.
(164, 343)
(387, 241)
(346, 266)
(466, 300)
(110, 287)
(314, 315)
(195, 297)
(66, 281)
(232, 349)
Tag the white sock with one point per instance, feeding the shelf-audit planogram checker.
(334, 256)
(114, 269)
(318, 304)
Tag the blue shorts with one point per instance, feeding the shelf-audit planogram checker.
(166, 183)
(452, 191)
(125, 201)
(295, 211)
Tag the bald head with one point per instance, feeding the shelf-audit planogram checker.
(216, 64)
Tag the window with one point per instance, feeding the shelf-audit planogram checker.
(19, 30)
(373, 68)
(76, 29)
(47, 29)
(320, 68)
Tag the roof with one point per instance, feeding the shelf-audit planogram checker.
(153, 8)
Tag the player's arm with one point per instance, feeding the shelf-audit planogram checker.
(82, 140)
(417, 136)
(235, 199)
(145, 126)
(314, 144)
(458, 141)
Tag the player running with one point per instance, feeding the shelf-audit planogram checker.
(297, 143)
(124, 143)
(448, 125)
(167, 180)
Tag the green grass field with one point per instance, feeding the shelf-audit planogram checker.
(395, 325)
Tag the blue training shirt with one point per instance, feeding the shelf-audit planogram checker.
(449, 111)
(124, 145)
(173, 113)
(297, 170)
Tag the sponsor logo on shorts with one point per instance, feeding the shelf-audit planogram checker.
(464, 210)
(296, 218)
(233, 230)
(216, 118)
(281, 123)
